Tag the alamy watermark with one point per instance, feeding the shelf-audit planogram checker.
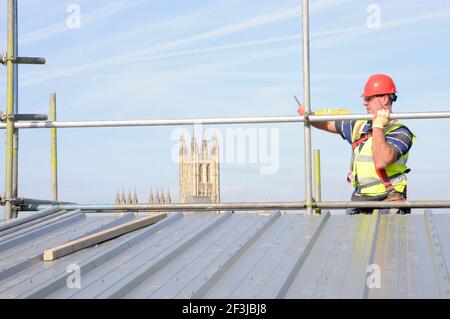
(73, 281)
(374, 276)
(374, 19)
(249, 145)
(73, 21)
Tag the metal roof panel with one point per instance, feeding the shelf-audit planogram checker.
(210, 255)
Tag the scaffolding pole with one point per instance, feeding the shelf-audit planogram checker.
(11, 60)
(30, 117)
(9, 161)
(54, 149)
(32, 201)
(220, 120)
(15, 181)
(317, 179)
(249, 206)
(307, 105)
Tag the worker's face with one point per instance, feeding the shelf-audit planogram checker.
(377, 102)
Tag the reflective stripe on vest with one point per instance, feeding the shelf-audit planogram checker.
(366, 177)
(367, 182)
(369, 158)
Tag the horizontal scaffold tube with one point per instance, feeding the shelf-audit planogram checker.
(221, 120)
(245, 206)
(30, 117)
(25, 201)
(384, 204)
(29, 60)
(175, 207)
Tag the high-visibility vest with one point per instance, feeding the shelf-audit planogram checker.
(371, 181)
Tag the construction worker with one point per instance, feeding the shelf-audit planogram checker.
(380, 147)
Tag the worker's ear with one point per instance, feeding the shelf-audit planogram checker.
(385, 101)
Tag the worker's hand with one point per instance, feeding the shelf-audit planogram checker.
(381, 119)
(301, 110)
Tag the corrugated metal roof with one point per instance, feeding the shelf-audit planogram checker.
(201, 255)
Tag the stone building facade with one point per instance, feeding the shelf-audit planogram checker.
(199, 171)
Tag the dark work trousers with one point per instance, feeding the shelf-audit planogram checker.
(357, 196)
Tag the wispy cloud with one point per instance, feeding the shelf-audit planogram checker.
(350, 33)
(149, 53)
(432, 15)
(258, 21)
(87, 18)
(204, 36)
(321, 39)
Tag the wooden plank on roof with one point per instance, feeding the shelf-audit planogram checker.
(99, 237)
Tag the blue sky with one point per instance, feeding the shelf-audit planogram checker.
(143, 59)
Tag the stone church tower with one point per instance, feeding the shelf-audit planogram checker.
(199, 171)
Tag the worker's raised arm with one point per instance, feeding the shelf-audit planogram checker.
(328, 126)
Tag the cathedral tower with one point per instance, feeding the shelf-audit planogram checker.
(199, 171)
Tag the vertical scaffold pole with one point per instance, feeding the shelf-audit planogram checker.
(15, 182)
(307, 105)
(54, 149)
(317, 182)
(12, 7)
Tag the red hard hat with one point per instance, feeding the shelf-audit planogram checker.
(379, 84)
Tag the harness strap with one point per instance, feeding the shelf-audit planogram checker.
(378, 182)
(385, 179)
(362, 139)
